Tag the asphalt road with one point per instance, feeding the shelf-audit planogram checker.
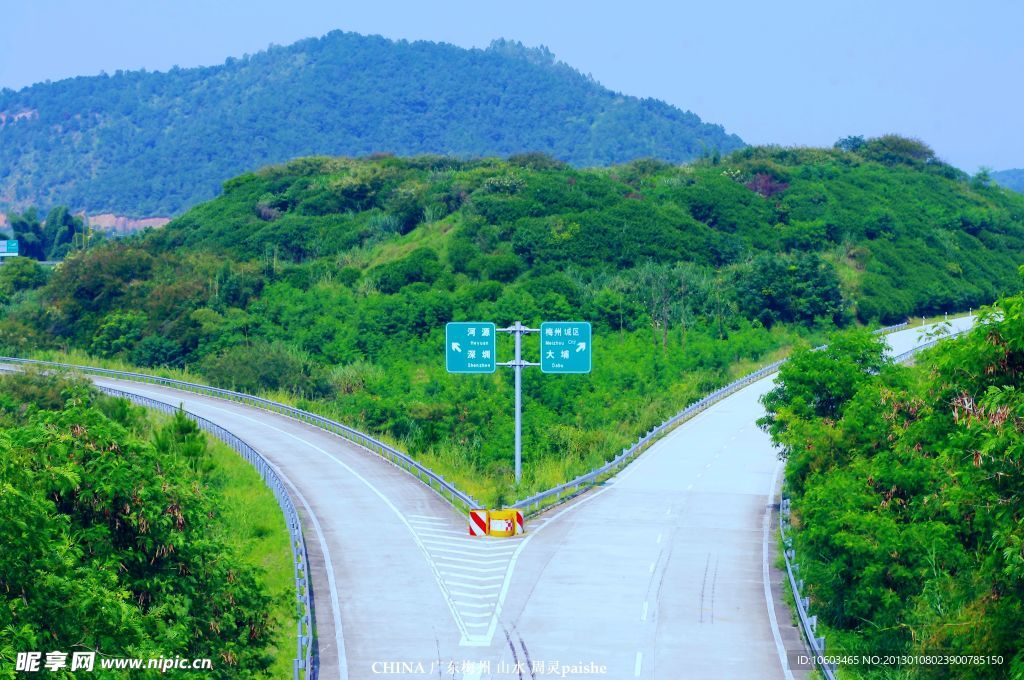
(665, 572)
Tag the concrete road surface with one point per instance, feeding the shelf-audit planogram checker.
(665, 572)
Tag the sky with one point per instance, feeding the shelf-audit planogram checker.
(787, 72)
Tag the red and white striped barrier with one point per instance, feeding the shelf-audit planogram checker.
(520, 527)
(478, 522)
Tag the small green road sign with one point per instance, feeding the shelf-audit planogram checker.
(470, 347)
(565, 347)
(8, 248)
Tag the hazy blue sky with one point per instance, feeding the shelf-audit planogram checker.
(786, 72)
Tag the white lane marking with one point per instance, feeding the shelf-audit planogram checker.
(440, 533)
(476, 605)
(468, 543)
(668, 512)
(643, 614)
(766, 579)
(469, 553)
(475, 586)
(339, 639)
(650, 570)
(707, 466)
(459, 568)
(689, 487)
(460, 596)
(444, 560)
(638, 664)
(428, 518)
(477, 615)
(659, 539)
(452, 574)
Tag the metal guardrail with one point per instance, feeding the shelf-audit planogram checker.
(809, 623)
(303, 592)
(431, 479)
(537, 502)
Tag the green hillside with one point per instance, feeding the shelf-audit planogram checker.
(141, 144)
(332, 278)
(1011, 179)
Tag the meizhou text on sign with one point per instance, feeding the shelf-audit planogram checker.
(565, 347)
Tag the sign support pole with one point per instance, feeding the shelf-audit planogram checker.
(519, 406)
(517, 364)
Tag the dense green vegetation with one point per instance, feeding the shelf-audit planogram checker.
(144, 144)
(1011, 179)
(331, 279)
(122, 536)
(52, 239)
(908, 495)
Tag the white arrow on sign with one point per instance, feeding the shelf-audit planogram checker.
(456, 347)
(580, 347)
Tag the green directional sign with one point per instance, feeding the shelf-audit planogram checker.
(470, 347)
(8, 248)
(565, 347)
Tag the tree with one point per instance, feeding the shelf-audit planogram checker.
(21, 273)
(29, 233)
(851, 143)
(60, 231)
(818, 383)
(800, 287)
(894, 149)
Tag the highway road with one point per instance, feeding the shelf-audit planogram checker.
(664, 572)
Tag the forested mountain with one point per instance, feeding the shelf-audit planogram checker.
(140, 143)
(332, 278)
(1011, 179)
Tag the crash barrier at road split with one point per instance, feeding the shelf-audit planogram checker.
(497, 523)
(436, 482)
(505, 523)
(562, 492)
(303, 591)
(478, 523)
(808, 623)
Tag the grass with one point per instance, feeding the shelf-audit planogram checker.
(430, 235)
(254, 525)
